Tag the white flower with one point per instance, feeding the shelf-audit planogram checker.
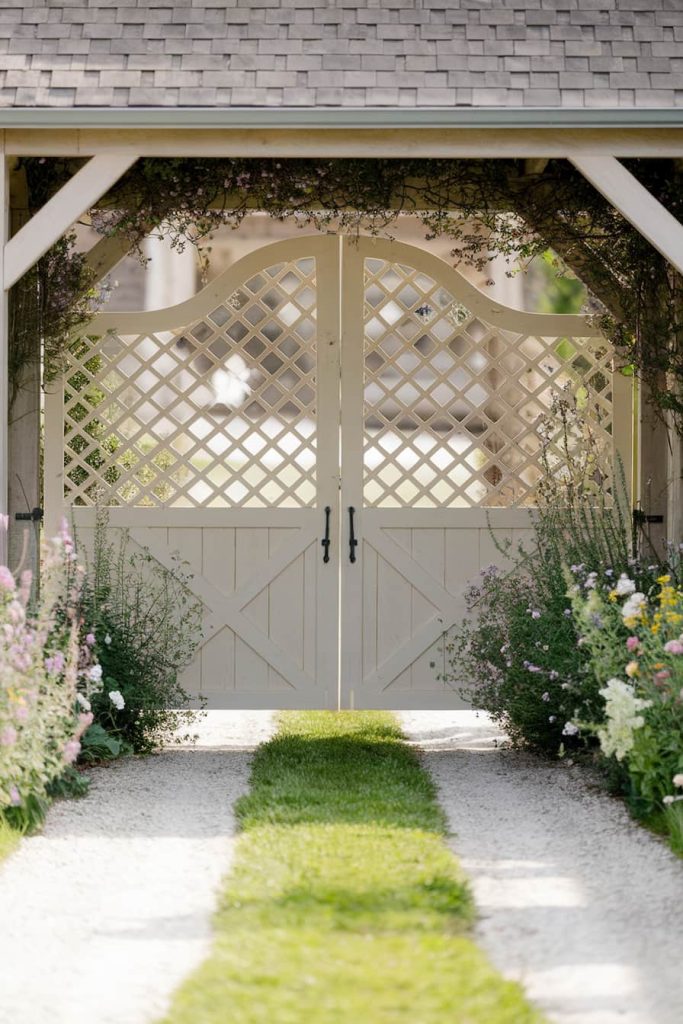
(621, 709)
(625, 586)
(107, 639)
(668, 799)
(95, 674)
(633, 606)
(116, 697)
(591, 580)
(83, 701)
(678, 779)
(570, 729)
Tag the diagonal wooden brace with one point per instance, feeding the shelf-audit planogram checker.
(59, 213)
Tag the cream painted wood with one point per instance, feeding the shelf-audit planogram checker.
(274, 632)
(58, 214)
(405, 590)
(4, 341)
(635, 203)
(270, 635)
(430, 143)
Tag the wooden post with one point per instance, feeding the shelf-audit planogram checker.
(4, 326)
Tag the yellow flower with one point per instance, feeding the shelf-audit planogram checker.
(663, 579)
(632, 669)
(613, 595)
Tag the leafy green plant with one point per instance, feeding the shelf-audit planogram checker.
(518, 647)
(146, 625)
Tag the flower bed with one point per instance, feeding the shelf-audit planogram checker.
(45, 682)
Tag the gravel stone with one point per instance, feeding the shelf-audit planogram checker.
(576, 901)
(108, 909)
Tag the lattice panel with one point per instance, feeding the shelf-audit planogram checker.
(218, 414)
(454, 408)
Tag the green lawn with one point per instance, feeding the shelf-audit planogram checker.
(344, 905)
(9, 839)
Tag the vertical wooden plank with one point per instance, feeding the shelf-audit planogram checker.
(429, 551)
(394, 615)
(310, 610)
(352, 432)
(286, 606)
(369, 619)
(218, 653)
(188, 544)
(251, 551)
(462, 558)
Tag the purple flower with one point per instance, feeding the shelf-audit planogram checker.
(535, 614)
(545, 697)
(90, 639)
(8, 736)
(14, 797)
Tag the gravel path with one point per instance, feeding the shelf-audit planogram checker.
(576, 901)
(106, 911)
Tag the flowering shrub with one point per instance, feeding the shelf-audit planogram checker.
(517, 651)
(633, 637)
(146, 625)
(41, 682)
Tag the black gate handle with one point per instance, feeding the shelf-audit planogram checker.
(326, 539)
(353, 543)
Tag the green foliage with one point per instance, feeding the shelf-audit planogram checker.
(99, 745)
(344, 903)
(147, 626)
(518, 648)
(9, 839)
(73, 784)
(486, 207)
(639, 658)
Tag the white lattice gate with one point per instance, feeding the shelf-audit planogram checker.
(363, 388)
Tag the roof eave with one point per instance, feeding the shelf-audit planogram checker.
(374, 118)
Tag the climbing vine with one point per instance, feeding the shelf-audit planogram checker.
(485, 207)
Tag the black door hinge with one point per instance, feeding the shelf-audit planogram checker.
(640, 518)
(34, 516)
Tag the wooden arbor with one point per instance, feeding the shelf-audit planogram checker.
(593, 149)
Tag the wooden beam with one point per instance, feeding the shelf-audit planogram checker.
(59, 213)
(446, 143)
(535, 166)
(635, 203)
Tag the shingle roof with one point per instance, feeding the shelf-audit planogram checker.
(350, 53)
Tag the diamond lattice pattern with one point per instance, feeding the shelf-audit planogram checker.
(455, 408)
(220, 413)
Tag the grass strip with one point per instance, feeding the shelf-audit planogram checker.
(9, 839)
(344, 905)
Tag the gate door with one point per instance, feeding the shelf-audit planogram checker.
(443, 398)
(213, 430)
(201, 426)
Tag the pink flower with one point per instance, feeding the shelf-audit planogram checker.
(85, 720)
(674, 647)
(90, 639)
(661, 677)
(632, 644)
(14, 797)
(71, 749)
(6, 579)
(55, 664)
(8, 736)
(21, 714)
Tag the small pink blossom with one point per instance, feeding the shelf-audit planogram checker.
(71, 750)
(85, 720)
(21, 713)
(632, 644)
(674, 647)
(6, 579)
(55, 664)
(8, 736)
(14, 797)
